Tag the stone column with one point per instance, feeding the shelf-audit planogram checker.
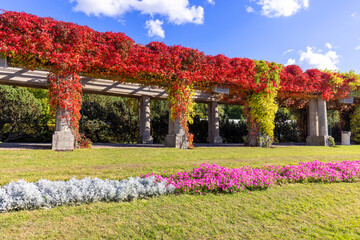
(213, 124)
(313, 123)
(144, 136)
(313, 118)
(177, 137)
(63, 137)
(3, 62)
(322, 116)
(317, 124)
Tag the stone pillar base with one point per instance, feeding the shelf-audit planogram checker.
(257, 140)
(177, 141)
(146, 139)
(252, 141)
(63, 141)
(215, 140)
(317, 141)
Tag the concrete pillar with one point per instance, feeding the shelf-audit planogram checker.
(63, 137)
(322, 116)
(144, 136)
(307, 121)
(171, 125)
(213, 124)
(177, 137)
(313, 118)
(317, 124)
(3, 62)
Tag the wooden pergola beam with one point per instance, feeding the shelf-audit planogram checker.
(37, 79)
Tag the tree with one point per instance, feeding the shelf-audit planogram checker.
(231, 112)
(285, 126)
(109, 119)
(20, 112)
(159, 120)
(46, 126)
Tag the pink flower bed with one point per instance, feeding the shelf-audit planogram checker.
(214, 178)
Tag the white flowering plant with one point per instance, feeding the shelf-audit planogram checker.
(47, 194)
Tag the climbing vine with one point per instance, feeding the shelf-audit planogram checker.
(68, 50)
(262, 105)
(182, 105)
(65, 93)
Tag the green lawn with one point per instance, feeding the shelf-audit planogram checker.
(296, 211)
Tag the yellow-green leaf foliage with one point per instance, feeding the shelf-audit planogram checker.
(262, 104)
(263, 109)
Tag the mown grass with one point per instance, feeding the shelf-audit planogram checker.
(296, 211)
(121, 163)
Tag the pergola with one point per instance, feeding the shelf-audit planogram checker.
(115, 65)
(63, 141)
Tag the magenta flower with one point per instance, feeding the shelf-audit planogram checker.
(214, 178)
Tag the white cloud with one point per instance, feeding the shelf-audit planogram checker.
(177, 11)
(291, 61)
(329, 45)
(155, 28)
(249, 9)
(357, 47)
(288, 51)
(313, 58)
(281, 8)
(174, 11)
(104, 7)
(354, 14)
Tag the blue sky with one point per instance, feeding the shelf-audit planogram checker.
(310, 33)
